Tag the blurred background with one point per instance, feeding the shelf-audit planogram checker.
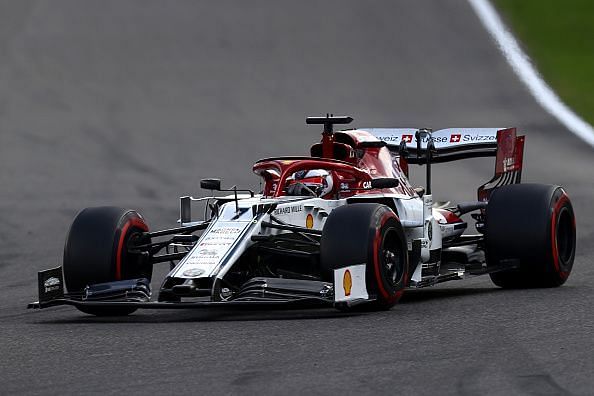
(559, 38)
(131, 103)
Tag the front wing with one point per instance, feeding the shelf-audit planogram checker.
(258, 293)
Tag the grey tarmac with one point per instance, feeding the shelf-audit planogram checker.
(132, 102)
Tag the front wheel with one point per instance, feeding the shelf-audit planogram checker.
(96, 251)
(370, 234)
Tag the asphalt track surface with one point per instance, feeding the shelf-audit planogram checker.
(131, 103)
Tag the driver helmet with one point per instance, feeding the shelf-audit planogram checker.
(317, 180)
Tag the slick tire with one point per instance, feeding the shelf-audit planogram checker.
(96, 252)
(534, 224)
(370, 234)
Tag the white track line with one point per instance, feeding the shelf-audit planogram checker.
(520, 62)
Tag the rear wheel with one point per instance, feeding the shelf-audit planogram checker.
(370, 234)
(96, 251)
(534, 224)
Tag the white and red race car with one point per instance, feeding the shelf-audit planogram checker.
(343, 228)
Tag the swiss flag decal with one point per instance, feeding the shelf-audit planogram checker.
(407, 138)
(455, 138)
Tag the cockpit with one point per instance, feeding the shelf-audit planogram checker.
(309, 177)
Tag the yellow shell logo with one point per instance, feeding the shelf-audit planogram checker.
(347, 282)
(309, 221)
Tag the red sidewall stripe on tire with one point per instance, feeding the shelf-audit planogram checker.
(390, 298)
(134, 222)
(562, 199)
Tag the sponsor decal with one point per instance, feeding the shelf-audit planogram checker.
(226, 230)
(388, 138)
(367, 185)
(407, 138)
(455, 137)
(262, 208)
(193, 272)
(350, 283)
(212, 248)
(347, 282)
(51, 284)
(309, 221)
(209, 244)
(436, 139)
(288, 209)
(509, 164)
(207, 252)
(506, 143)
(478, 138)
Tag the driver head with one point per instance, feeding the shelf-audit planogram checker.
(317, 180)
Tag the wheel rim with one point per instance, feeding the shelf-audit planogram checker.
(391, 260)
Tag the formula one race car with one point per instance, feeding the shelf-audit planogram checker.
(342, 228)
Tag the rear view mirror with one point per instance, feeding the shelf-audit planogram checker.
(211, 184)
(385, 182)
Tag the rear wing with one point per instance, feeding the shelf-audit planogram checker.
(448, 144)
(417, 146)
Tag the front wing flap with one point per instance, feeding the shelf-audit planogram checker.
(135, 293)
